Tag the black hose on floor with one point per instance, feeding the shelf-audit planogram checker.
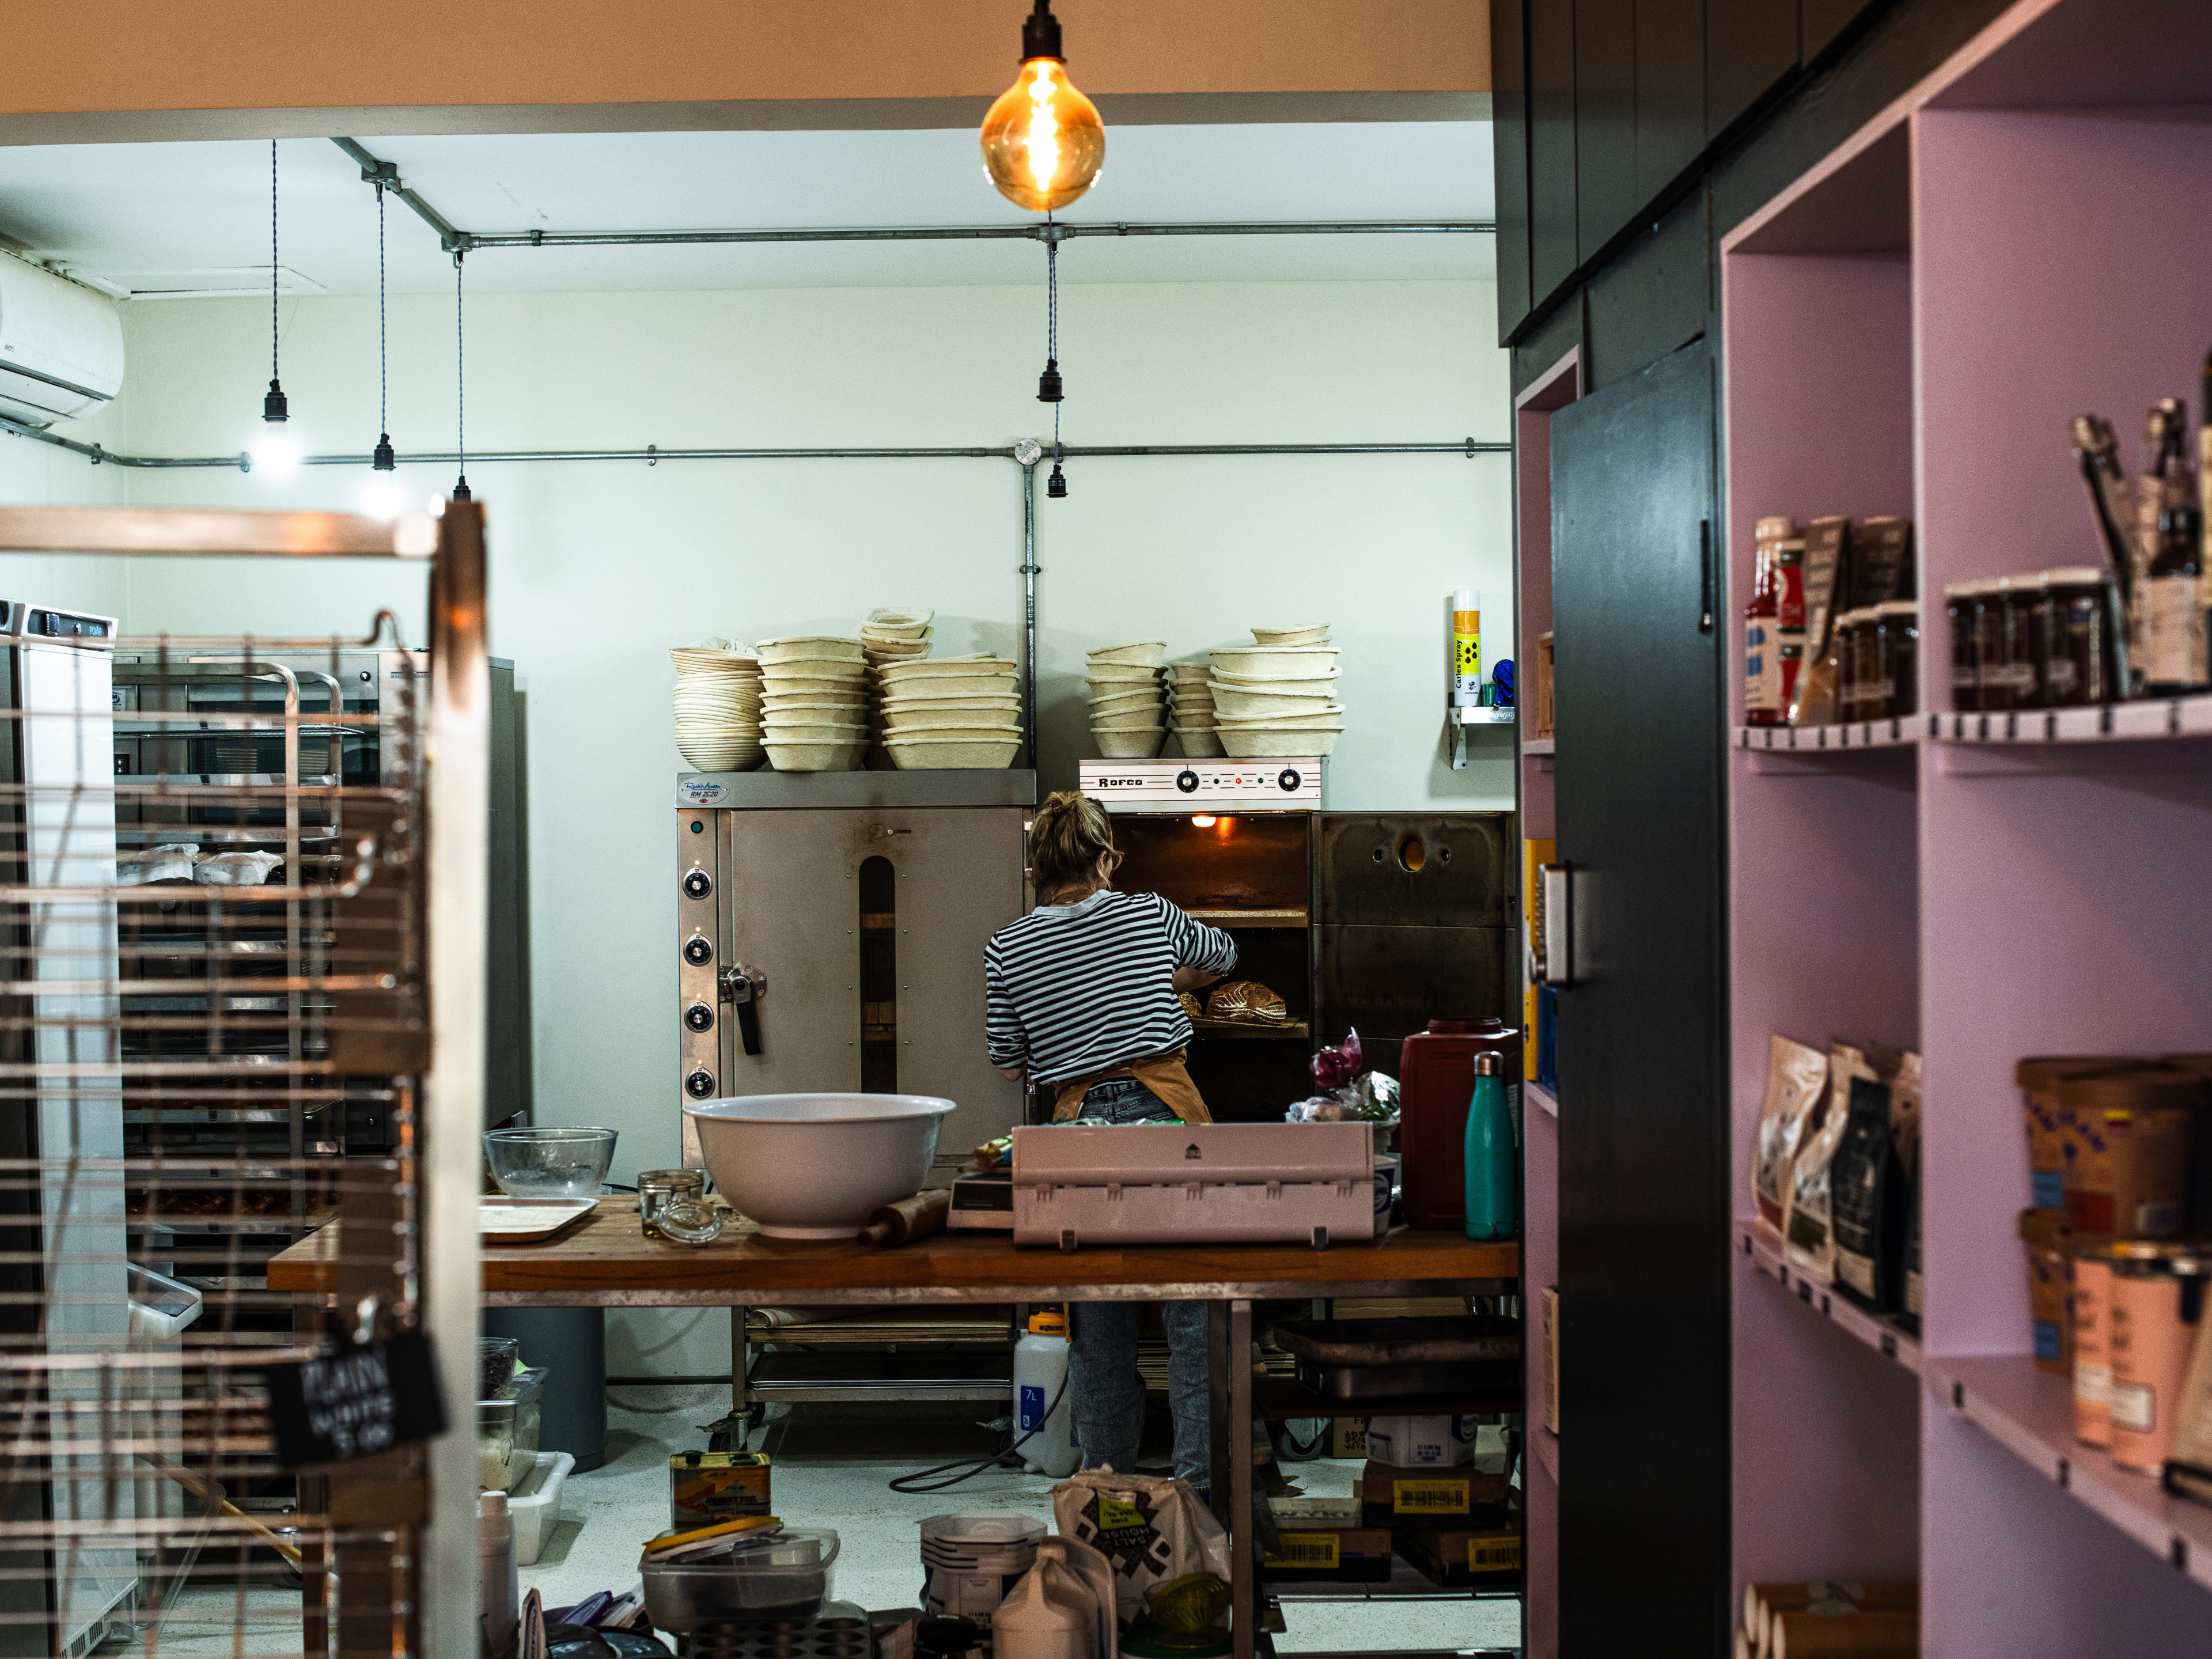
(969, 1469)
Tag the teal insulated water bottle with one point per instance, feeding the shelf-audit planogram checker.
(1493, 1209)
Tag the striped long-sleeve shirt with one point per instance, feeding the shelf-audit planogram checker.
(1072, 989)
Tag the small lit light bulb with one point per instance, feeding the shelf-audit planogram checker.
(380, 497)
(1042, 140)
(273, 449)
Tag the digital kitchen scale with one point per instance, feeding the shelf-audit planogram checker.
(1284, 783)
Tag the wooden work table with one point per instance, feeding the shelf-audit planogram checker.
(606, 1261)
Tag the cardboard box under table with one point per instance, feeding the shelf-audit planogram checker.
(1402, 1498)
(1459, 1560)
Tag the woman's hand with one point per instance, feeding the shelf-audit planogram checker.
(1013, 1073)
(1193, 979)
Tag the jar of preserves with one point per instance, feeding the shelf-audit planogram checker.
(2158, 1301)
(1897, 655)
(1992, 670)
(2025, 666)
(1866, 665)
(1966, 684)
(2077, 629)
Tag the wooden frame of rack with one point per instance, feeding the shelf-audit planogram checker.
(1907, 329)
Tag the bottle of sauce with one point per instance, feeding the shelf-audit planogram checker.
(1493, 1209)
(1763, 704)
(2173, 599)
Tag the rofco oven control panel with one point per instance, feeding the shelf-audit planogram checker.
(1292, 783)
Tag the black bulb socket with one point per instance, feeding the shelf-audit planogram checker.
(461, 489)
(381, 460)
(1048, 387)
(1040, 34)
(273, 407)
(1055, 487)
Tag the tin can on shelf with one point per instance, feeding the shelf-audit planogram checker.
(1992, 665)
(2026, 668)
(2158, 1301)
(1897, 660)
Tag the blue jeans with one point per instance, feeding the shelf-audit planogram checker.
(1106, 1394)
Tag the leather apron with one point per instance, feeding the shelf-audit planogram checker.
(1164, 1074)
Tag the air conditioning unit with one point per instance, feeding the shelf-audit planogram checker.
(61, 346)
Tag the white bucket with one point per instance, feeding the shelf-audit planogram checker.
(970, 1562)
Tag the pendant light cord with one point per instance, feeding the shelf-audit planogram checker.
(460, 388)
(1052, 319)
(383, 348)
(273, 376)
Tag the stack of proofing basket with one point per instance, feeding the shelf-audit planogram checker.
(1129, 706)
(814, 703)
(1278, 695)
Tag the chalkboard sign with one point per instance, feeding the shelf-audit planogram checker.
(363, 1399)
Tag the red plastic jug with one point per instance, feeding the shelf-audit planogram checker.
(1435, 1081)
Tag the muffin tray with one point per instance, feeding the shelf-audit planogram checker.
(828, 1636)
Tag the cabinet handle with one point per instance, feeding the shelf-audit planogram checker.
(1704, 576)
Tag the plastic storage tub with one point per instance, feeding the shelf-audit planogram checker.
(534, 1504)
(788, 1576)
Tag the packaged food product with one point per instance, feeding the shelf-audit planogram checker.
(2046, 1235)
(2158, 1303)
(2189, 1465)
(2039, 1076)
(1762, 1602)
(1881, 561)
(1866, 1218)
(2092, 1305)
(1808, 1230)
(706, 1488)
(2134, 1128)
(1153, 1530)
(1795, 1075)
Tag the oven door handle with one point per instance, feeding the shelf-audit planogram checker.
(744, 987)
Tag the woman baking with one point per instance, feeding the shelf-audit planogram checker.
(1081, 998)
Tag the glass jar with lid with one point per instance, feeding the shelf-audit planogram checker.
(1966, 682)
(2025, 666)
(1897, 657)
(1992, 664)
(2077, 611)
(1866, 665)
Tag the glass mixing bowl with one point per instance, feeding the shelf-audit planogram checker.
(550, 1162)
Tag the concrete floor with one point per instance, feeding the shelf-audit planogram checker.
(832, 1467)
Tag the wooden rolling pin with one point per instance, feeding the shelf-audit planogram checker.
(1762, 1602)
(200, 1489)
(908, 1220)
(1846, 1635)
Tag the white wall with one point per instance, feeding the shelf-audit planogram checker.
(598, 567)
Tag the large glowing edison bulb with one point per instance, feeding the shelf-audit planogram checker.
(1042, 140)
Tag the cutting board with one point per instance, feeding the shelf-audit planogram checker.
(529, 1220)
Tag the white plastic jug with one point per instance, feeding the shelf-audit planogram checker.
(1050, 1614)
(1039, 1376)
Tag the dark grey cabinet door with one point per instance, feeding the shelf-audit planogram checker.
(1553, 244)
(1644, 1366)
(1749, 45)
(1509, 82)
(1820, 21)
(1605, 120)
(1670, 90)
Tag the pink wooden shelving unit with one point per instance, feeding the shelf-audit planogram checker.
(2021, 238)
(1532, 497)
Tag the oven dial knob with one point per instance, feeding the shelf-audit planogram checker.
(1288, 780)
(698, 949)
(698, 884)
(700, 1085)
(699, 1017)
(1186, 781)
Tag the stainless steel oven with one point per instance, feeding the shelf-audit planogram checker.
(860, 902)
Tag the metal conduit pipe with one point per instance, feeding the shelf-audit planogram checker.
(1025, 453)
(453, 239)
